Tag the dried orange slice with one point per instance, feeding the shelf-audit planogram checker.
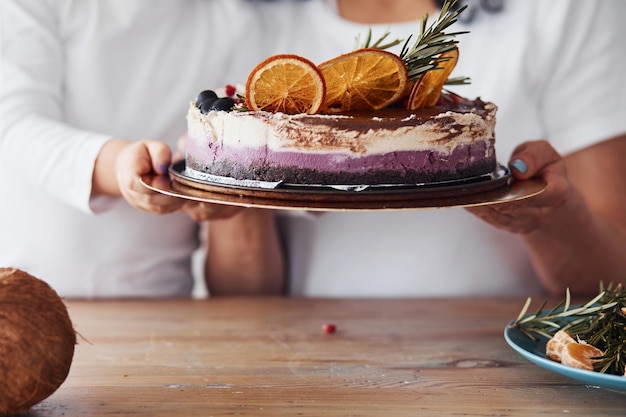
(427, 90)
(364, 79)
(285, 83)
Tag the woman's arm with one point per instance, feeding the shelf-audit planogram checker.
(584, 242)
(245, 255)
(575, 231)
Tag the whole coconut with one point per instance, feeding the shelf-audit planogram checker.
(37, 341)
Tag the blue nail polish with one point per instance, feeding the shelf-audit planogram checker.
(519, 166)
(162, 168)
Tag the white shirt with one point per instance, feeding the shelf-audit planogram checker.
(75, 73)
(555, 70)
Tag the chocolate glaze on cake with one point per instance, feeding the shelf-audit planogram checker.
(392, 146)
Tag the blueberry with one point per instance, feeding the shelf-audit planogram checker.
(207, 105)
(224, 103)
(205, 95)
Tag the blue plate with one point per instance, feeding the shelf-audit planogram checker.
(535, 351)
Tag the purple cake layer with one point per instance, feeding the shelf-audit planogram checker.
(310, 168)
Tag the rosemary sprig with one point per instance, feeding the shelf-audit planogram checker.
(458, 80)
(600, 322)
(432, 41)
(367, 43)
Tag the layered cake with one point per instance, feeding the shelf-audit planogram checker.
(450, 141)
(367, 117)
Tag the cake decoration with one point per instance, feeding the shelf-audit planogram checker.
(365, 79)
(285, 83)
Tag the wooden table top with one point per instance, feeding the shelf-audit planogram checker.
(270, 357)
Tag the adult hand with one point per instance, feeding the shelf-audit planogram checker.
(140, 158)
(534, 159)
(145, 157)
(574, 231)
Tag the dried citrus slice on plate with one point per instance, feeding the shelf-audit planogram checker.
(285, 83)
(364, 79)
(580, 355)
(427, 90)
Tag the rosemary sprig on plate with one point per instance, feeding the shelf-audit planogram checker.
(600, 322)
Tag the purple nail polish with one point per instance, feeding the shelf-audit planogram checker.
(162, 168)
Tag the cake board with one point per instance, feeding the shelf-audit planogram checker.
(498, 187)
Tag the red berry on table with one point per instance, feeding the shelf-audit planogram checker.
(329, 328)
